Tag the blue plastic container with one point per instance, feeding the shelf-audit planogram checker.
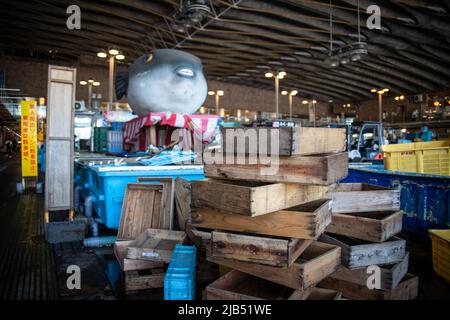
(117, 126)
(179, 281)
(425, 199)
(107, 184)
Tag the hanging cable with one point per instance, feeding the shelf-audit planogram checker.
(331, 29)
(359, 24)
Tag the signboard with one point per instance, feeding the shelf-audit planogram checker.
(29, 139)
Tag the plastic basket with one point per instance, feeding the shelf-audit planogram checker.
(441, 253)
(179, 281)
(422, 157)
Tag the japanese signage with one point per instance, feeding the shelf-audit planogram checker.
(29, 139)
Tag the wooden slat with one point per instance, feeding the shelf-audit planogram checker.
(359, 254)
(141, 210)
(290, 141)
(406, 290)
(183, 202)
(155, 245)
(316, 263)
(311, 170)
(252, 198)
(302, 222)
(275, 252)
(352, 198)
(369, 226)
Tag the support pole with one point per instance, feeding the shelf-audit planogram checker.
(111, 81)
(217, 104)
(277, 97)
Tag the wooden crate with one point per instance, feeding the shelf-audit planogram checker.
(391, 275)
(316, 170)
(144, 279)
(275, 252)
(360, 197)
(290, 142)
(320, 294)
(167, 200)
(369, 226)
(200, 237)
(359, 254)
(183, 202)
(142, 209)
(155, 245)
(317, 262)
(306, 221)
(236, 285)
(120, 251)
(252, 198)
(408, 289)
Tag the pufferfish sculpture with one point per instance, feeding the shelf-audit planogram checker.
(165, 80)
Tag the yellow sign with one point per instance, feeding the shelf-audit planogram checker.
(29, 139)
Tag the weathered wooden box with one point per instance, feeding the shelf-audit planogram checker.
(408, 289)
(391, 275)
(236, 285)
(144, 279)
(252, 198)
(120, 251)
(155, 245)
(144, 207)
(289, 141)
(306, 221)
(369, 226)
(359, 254)
(359, 197)
(324, 169)
(316, 263)
(277, 252)
(200, 237)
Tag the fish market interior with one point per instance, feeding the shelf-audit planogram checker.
(225, 150)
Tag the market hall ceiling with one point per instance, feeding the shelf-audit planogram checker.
(243, 39)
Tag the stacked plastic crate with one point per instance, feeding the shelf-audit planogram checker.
(100, 139)
(115, 138)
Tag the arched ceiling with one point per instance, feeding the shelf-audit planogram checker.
(411, 53)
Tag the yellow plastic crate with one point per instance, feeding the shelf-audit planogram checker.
(421, 157)
(441, 252)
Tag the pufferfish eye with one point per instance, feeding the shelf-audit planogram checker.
(185, 72)
(149, 58)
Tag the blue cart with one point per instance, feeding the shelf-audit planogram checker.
(106, 184)
(425, 199)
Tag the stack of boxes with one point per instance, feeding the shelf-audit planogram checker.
(366, 220)
(265, 225)
(100, 139)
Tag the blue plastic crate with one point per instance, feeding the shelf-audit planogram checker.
(179, 281)
(117, 126)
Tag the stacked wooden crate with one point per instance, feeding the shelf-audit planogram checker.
(366, 220)
(265, 226)
(145, 241)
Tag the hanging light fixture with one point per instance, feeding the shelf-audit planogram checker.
(346, 54)
(189, 13)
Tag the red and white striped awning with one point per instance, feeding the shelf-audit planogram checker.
(204, 125)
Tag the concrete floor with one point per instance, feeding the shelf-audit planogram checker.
(30, 269)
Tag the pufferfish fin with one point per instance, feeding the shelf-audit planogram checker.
(121, 85)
